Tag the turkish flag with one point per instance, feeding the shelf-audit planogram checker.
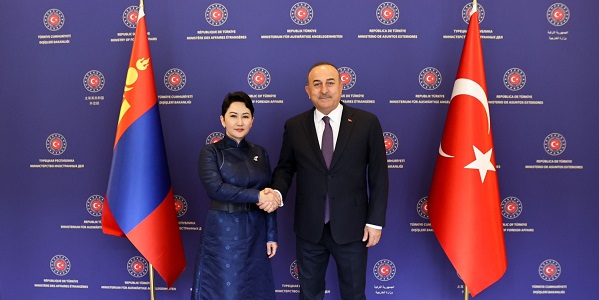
(464, 204)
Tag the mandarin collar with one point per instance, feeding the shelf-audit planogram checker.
(233, 143)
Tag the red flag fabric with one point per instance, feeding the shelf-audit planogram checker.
(464, 204)
(139, 201)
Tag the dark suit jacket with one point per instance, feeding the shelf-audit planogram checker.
(357, 181)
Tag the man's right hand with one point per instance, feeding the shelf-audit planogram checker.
(269, 200)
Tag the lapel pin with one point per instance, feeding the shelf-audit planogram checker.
(350, 120)
(256, 158)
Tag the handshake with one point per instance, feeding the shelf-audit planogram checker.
(269, 200)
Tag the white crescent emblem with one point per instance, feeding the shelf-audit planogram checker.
(463, 86)
(557, 14)
(430, 78)
(442, 153)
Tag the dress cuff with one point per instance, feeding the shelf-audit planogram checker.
(374, 226)
(280, 196)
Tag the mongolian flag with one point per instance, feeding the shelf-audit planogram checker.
(464, 204)
(139, 202)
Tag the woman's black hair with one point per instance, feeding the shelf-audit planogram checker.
(237, 97)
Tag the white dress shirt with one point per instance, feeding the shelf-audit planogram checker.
(335, 121)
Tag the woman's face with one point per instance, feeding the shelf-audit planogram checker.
(237, 121)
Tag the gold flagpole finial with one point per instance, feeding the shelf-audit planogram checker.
(474, 6)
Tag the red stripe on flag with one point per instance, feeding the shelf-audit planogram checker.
(158, 239)
(109, 224)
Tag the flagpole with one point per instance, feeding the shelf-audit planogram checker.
(152, 290)
(474, 9)
(152, 286)
(466, 293)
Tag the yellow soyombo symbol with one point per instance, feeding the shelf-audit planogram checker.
(132, 76)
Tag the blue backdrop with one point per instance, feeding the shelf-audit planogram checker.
(62, 72)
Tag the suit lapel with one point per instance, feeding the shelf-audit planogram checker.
(345, 127)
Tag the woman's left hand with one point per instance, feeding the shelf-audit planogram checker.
(271, 249)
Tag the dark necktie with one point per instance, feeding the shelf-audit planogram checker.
(327, 153)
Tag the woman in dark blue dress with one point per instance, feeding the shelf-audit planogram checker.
(240, 234)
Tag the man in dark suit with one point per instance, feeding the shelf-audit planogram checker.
(342, 190)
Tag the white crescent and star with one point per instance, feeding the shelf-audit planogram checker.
(96, 205)
(138, 267)
(482, 163)
(514, 79)
(511, 207)
(430, 78)
(258, 78)
(558, 14)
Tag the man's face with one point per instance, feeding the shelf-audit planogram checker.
(324, 88)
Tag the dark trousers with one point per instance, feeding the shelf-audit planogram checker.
(313, 259)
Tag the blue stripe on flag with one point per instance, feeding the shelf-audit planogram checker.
(139, 178)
